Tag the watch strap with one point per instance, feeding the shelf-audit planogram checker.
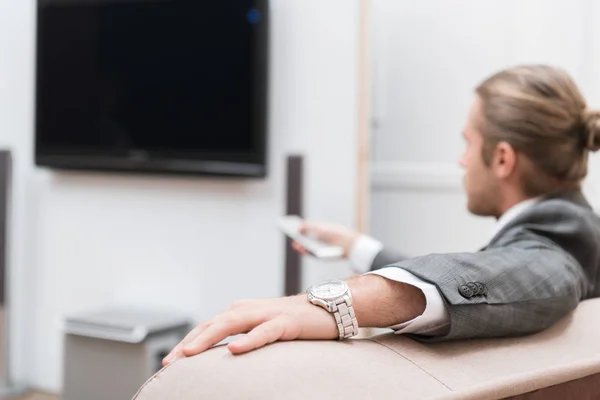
(345, 318)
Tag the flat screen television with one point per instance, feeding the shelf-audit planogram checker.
(152, 86)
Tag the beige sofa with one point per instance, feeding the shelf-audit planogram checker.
(560, 363)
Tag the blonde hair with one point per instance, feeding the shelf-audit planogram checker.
(541, 113)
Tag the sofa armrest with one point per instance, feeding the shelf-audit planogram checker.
(392, 365)
(290, 370)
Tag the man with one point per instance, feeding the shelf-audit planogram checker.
(528, 136)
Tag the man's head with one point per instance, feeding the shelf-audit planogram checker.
(528, 134)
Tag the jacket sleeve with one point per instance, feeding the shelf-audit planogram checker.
(386, 257)
(521, 288)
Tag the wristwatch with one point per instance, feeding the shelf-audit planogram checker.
(335, 297)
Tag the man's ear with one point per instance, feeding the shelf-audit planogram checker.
(505, 160)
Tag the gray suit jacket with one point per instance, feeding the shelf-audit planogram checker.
(533, 272)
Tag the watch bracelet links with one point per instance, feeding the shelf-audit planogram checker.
(345, 317)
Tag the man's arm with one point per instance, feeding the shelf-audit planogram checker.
(386, 257)
(364, 252)
(525, 287)
(368, 254)
(378, 302)
(382, 302)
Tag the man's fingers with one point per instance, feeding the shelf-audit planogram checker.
(233, 324)
(264, 334)
(177, 351)
(319, 230)
(299, 248)
(310, 227)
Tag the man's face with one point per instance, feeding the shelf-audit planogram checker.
(481, 185)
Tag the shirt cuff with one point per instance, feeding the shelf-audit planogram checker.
(435, 320)
(363, 253)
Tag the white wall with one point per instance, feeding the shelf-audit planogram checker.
(429, 56)
(80, 240)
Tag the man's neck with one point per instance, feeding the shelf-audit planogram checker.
(511, 213)
(511, 201)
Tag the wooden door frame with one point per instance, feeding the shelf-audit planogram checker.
(364, 118)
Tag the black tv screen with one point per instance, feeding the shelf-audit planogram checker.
(152, 85)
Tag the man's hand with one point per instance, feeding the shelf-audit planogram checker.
(378, 302)
(328, 232)
(265, 321)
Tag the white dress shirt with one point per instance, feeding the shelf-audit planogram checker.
(435, 319)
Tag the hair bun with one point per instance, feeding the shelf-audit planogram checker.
(591, 129)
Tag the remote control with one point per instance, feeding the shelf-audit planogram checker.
(290, 225)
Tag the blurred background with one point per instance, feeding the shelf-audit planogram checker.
(81, 239)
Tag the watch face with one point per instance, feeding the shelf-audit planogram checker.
(329, 290)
